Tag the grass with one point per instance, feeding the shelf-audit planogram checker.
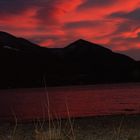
(49, 129)
(41, 130)
(94, 128)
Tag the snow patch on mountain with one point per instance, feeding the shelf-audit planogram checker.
(11, 48)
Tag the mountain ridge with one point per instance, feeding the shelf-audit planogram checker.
(78, 43)
(81, 62)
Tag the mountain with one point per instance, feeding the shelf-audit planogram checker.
(84, 49)
(19, 44)
(25, 64)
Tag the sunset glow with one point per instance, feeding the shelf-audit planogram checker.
(56, 23)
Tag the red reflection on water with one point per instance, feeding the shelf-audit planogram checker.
(78, 101)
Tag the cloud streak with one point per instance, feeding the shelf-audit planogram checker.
(56, 23)
(133, 15)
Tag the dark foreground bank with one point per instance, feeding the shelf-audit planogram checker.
(120, 127)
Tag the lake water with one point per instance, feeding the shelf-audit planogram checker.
(73, 101)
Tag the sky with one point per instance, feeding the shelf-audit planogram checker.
(56, 23)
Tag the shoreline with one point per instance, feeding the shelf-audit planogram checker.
(95, 85)
(28, 121)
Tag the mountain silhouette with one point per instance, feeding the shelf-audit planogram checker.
(25, 64)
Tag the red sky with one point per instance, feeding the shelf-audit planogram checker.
(56, 23)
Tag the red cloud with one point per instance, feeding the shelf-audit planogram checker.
(55, 23)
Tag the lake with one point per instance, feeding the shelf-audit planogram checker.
(72, 101)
